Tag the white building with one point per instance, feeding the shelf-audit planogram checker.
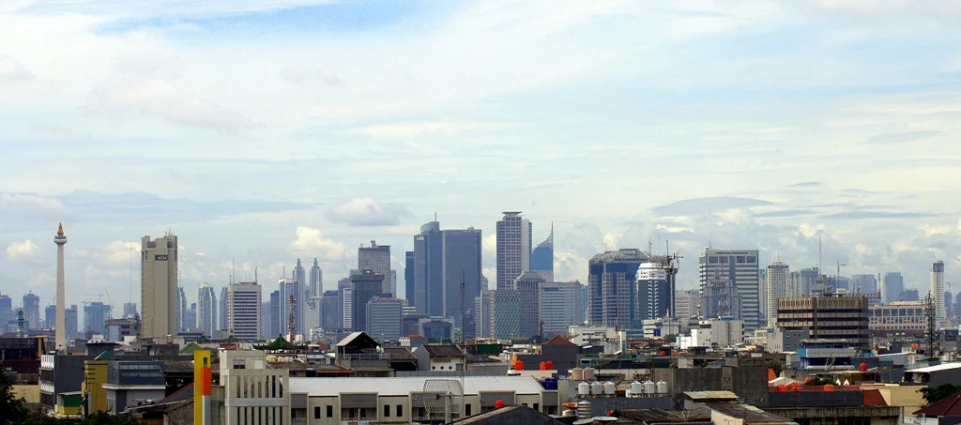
(724, 332)
(777, 285)
(659, 328)
(206, 309)
(513, 248)
(937, 293)
(243, 311)
(740, 268)
(253, 394)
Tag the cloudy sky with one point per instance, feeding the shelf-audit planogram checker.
(263, 131)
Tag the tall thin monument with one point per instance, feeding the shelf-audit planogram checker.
(61, 326)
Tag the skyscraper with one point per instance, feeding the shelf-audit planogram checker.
(376, 258)
(6, 309)
(937, 292)
(50, 316)
(206, 309)
(331, 311)
(158, 286)
(190, 317)
(542, 258)
(864, 284)
(61, 315)
(409, 278)
(129, 310)
(612, 285)
(346, 300)
(776, 282)
(429, 270)
(31, 310)
(893, 284)
(506, 314)
(181, 321)
(222, 311)
(95, 316)
(364, 286)
(528, 286)
(243, 311)
(291, 288)
(740, 269)
(300, 275)
(265, 322)
(71, 321)
(461, 267)
(513, 248)
(483, 314)
(560, 306)
(316, 280)
(383, 319)
(275, 324)
(802, 281)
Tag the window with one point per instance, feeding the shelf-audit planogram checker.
(386, 410)
(537, 407)
(317, 412)
(400, 411)
(467, 409)
(330, 411)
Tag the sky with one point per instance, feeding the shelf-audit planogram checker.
(264, 131)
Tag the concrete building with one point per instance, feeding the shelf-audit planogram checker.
(740, 269)
(222, 311)
(376, 258)
(437, 330)
(364, 286)
(409, 281)
(181, 304)
(384, 319)
(118, 329)
(95, 316)
(686, 303)
(61, 314)
(513, 248)
(428, 295)
(287, 289)
(560, 306)
(132, 383)
(505, 314)
(206, 309)
(158, 286)
(461, 269)
(483, 314)
(777, 285)
(802, 281)
(897, 318)
(300, 275)
(829, 319)
(332, 316)
(655, 289)
(6, 308)
(542, 258)
(253, 393)
(528, 287)
(891, 287)
(72, 322)
(129, 310)
(316, 286)
(243, 311)
(31, 311)
(612, 286)
(937, 292)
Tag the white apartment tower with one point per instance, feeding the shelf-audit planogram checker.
(740, 269)
(243, 311)
(513, 248)
(206, 309)
(158, 287)
(937, 293)
(776, 285)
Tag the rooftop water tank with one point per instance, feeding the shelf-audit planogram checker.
(636, 389)
(589, 374)
(661, 387)
(650, 387)
(583, 389)
(597, 388)
(576, 374)
(609, 388)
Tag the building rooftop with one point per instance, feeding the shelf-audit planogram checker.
(399, 354)
(938, 368)
(711, 395)
(750, 414)
(444, 350)
(402, 386)
(950, 406)
(652, 416)
(628, 254)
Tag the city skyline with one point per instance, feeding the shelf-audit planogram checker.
(706, 97)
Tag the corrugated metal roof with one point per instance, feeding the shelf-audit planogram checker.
(400, 386)
(940, 367)
(710, 395)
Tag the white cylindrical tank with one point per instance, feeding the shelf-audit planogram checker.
(576, 374)
(661, 387)
(584, 410)
(589, 374)
(583, 389)
(650, 387)
(636, 389)
(597, 388)
(609, 388)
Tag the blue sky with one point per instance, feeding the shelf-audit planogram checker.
(265, 131)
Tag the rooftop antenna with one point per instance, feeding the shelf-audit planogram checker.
(233, 267)
(255, 275)
(130, 275)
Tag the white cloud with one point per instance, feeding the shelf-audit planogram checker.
(12, 71)
(311, 242)
(367, 212)
(30, 205)
(26, 252)
(165, 100)
(310, 76)
(120, 253)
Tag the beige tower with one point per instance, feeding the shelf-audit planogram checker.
(158, 286)
(60, 328)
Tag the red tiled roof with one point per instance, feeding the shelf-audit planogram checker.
(947, 407)
(873, 398)
(558, 340)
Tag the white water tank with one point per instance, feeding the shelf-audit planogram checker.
(583, 389)
(650, 387)
(609, 388)
(597, 388)
(576, 374)
(584, 410)
(589, 374)
(636, 389)
(661, 387)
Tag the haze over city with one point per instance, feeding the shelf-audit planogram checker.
(263, 132)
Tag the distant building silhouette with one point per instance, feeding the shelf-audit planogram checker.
(740, 269)
(513, 248)
(542, 258)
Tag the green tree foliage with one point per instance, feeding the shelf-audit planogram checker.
(12, 409)
(941, 392)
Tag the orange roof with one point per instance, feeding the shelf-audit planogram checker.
(558, 340)
(771, 375)
(873, 398)
(947, 407)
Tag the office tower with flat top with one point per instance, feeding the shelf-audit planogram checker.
(158, 287)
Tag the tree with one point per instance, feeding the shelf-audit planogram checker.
(12, 409)
(941, 392)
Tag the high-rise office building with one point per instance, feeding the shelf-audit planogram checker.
(892, 285)
(346, 303)
(762, 293)
(686, 303)
(948, 303)
(190, 317)
(158, 287)
(265, 322)
(655, 289)
(777, 284)
(275, 323)
(182, 323)
(316, 280)
(506, 315)
(957, 305)
(802, 281)
(738, 268)
(612, 285)
(542, 258)
(50, 317)
(910, 295)
(828, 319)
(331, 311)
(364, 286)
(429, 270)
(95, 316)
(222, 310)
(384, 319)
(528, 286)
(6, 308)
(300, 275)
(937, 293)
(377, 259)
(864, 284)
(409, 278)
(461, 267)
(560, 306)
(312, 315)
(31, 311)
(72, 322)
(513, 248)
(243, 311)
(129, 310)
(483, 314)
(292, 299)
(206, 309)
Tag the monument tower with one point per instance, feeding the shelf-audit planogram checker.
(61, 326)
